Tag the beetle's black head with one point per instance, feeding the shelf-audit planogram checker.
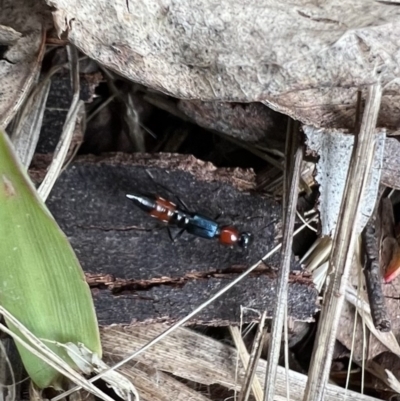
(245, 239)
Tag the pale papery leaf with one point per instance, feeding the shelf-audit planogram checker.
(21, 61)
(334, 148)
(8, 35)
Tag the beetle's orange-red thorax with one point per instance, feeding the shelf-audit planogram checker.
(228, 236)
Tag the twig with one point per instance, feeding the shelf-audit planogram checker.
(364, 310)
(27, 83)
(373, 278)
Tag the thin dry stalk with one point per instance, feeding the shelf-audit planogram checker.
(309, 226)
(343, 248)
(165, 103)
(136, 134)
(131, 117)
(291, 144)
(11, 370)
(101, 107)
(289, 152)
(283, 281)
(42, 351)
(374, 279)
(174, 327)
(252, 149)
(250, 363)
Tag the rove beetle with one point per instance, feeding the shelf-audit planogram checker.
(194, 223)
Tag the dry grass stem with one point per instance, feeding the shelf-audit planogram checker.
(283, 280)
(9, 369)
(42, 351)
(250, 362)
(343, 248)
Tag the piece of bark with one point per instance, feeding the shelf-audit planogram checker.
(169, 303)
(152, 278)
(112, 236)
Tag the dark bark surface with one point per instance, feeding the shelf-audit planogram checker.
(148, 277)
(170, 303)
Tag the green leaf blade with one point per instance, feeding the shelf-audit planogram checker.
(41, 281)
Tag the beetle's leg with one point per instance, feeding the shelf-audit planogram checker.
(177, 236)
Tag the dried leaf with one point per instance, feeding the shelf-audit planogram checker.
(8, 35)
(20, 63)
(26, 131)
(201, 359)
(305, 60)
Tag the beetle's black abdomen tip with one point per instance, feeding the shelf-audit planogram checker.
(142, 202)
